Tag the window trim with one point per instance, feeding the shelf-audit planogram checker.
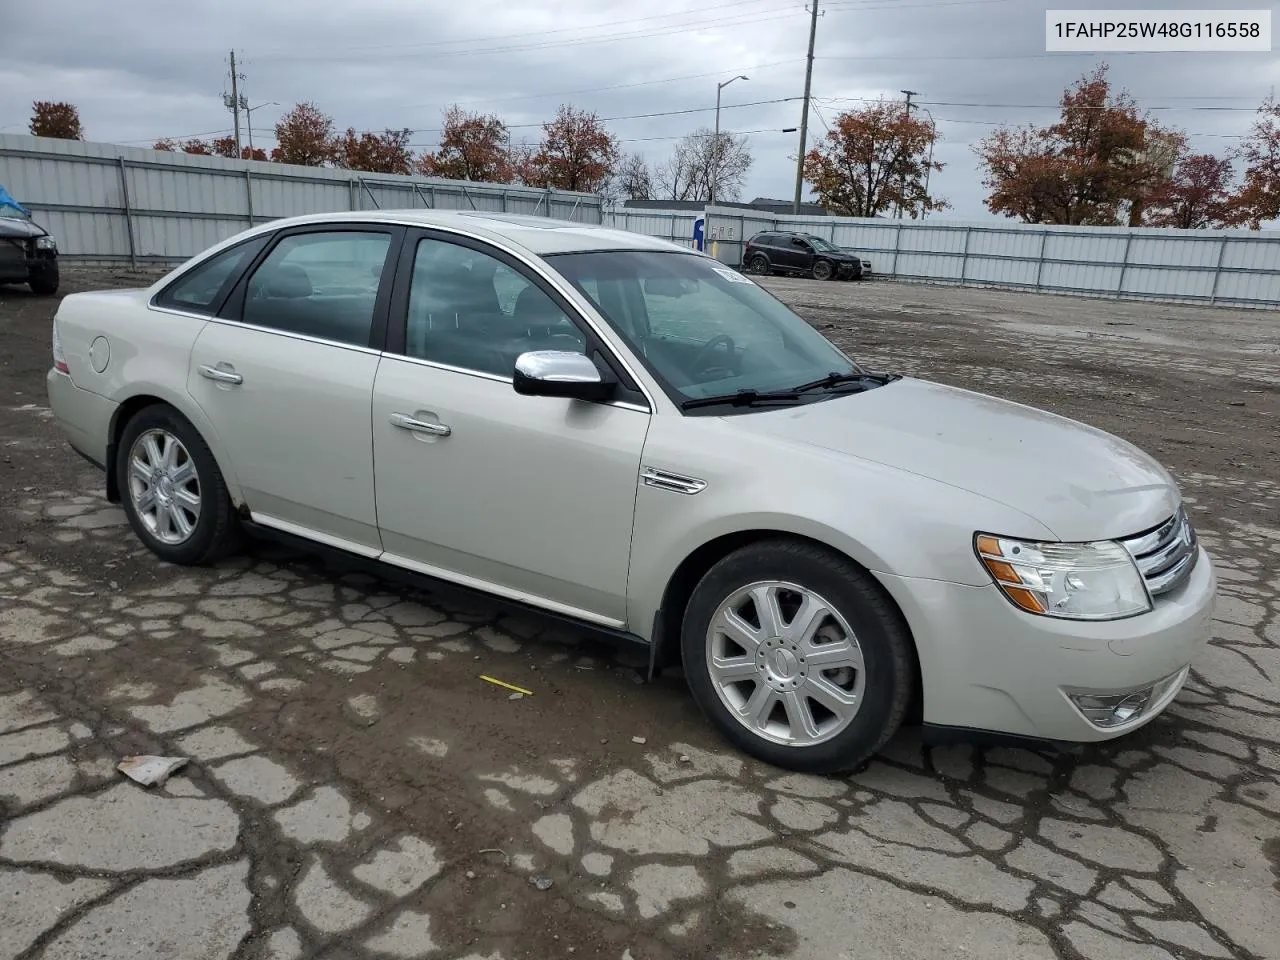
(232, 309)
(632, 394)
(160, 299)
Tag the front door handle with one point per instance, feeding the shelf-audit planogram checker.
(406, 422)
(220, 376)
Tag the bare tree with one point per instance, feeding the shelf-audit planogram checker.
(703, 160)
(633, 179)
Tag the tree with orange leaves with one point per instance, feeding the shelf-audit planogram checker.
(221, 147)
(386, 152)
(1258, 200)
(1197, 196)
(305, 136)
(576, 153)
(1098, 165)
(473, 147)
(873, 159)
(55, 119)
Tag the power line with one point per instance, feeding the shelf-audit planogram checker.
(1036, 106)
(633, 116)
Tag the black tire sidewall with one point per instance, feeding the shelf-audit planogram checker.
(879, 629)
(43, 279)
(819, 267)
(760, 264)
(212, 533)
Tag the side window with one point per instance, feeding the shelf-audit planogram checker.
(322, 284)
(469, 310)
(198, 290)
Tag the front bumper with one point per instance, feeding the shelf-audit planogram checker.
(84, 416)
(987, 666)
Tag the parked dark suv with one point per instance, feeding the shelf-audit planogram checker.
(800, 254)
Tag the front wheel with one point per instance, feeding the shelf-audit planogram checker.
(43, 279)
(822, 270)
(797, 656)
(172, 490)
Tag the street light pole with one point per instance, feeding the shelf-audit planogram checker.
(248, 113)
(715, 143)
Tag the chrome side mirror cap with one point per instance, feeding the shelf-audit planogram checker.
(560, 373)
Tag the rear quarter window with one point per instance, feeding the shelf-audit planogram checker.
(201, 289)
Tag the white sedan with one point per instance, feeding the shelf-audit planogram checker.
(614, 429)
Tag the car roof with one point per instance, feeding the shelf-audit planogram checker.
(539, 235)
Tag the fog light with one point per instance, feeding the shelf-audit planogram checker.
(1106, 710)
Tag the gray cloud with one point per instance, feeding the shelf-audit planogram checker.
(147, 69)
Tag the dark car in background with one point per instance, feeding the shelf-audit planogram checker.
(28, 254)
(800, 254)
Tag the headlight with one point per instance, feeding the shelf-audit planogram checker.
(1073, 581)
(46, 243)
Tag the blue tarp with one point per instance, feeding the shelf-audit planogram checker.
(6, 200)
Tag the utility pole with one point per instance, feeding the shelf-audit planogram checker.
(235, 100)
(902, 176)
(804, 116)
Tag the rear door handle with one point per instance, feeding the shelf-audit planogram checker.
(406, 422)
(220, 376)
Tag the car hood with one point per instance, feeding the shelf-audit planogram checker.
(13, 228)
(1081, 483)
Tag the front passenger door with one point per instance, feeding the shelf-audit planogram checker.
(528, 497)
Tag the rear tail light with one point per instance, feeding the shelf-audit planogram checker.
(59, 358)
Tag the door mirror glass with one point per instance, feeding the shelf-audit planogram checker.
(559, 373)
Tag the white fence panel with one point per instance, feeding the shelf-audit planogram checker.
(1239, 268)
(108, 203)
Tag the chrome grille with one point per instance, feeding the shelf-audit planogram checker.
(1166, 555)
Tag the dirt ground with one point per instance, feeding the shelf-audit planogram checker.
(355, 790)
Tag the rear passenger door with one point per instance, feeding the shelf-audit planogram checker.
(285, 373)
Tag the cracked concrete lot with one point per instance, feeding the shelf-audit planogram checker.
(354, 790)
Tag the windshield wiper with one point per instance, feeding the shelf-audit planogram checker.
(833, 379)
(743, 398)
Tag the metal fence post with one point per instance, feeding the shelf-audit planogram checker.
(351, 195)
(1217, 270)
(1044, 241)
(964, 257)
(897, 242)
(248, 194)
(128, 213)
(1124, 264)
(504, 201)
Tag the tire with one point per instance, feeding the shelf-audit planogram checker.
(211, 528)
(759, 265)
(823, 270)
(43, 280)
(862, 626)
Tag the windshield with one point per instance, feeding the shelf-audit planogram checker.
(701, 328)
(823, 245)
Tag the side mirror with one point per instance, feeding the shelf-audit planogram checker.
(559, 373)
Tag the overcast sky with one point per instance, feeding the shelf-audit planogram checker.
(143, 69)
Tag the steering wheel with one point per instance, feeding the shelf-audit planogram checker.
(720, 340)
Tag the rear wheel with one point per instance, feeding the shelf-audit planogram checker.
(172, 490)
(822, 270)
(759, 265)
(797, 656)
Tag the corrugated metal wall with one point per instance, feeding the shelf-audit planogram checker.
(1227, 267)
(107, 203)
